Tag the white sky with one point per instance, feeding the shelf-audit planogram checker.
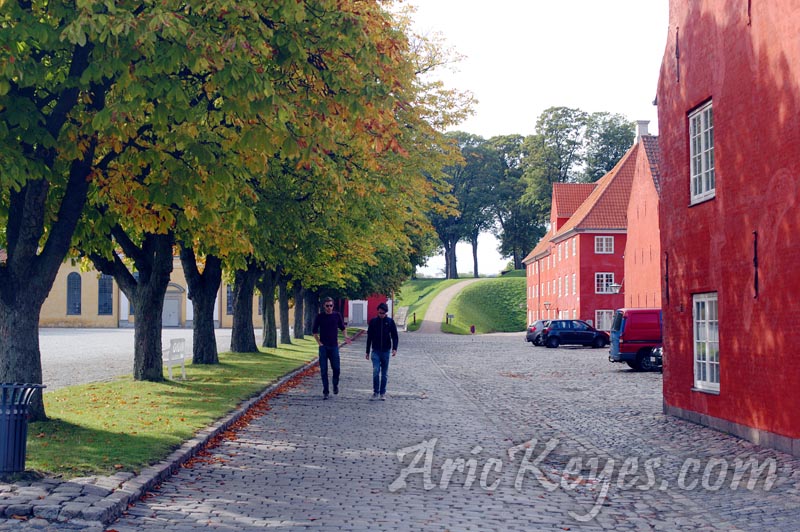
(523, 56)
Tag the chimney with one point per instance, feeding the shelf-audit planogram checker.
(641, 129)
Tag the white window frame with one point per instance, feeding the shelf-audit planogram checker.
(603, 282)
(559, 287)
(705, 321)
(573, 285)
(702, 182)
(604, 245)
(603, 318)
(574, 240)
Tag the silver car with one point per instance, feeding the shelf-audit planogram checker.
(534, 331)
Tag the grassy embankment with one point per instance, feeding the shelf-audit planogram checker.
(492, 305)
(417, 295)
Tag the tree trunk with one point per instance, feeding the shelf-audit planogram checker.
(203, 290)
(474, 241)
(243, 336)
(149, 306)
(451, 271)
(35, 251)
(20, 360)
(298, 309)
(153, 262)
(311, 309)
(283, 305)
(266, 284)
(30, 270)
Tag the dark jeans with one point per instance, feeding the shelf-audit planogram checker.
(329, 353)
(380, 368)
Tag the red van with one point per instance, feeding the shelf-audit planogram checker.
(634, 334)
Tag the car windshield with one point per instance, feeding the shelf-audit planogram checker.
(617, 324)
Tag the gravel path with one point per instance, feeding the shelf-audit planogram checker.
(78, 356)
(434, 317)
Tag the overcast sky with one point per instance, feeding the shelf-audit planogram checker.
(523, 56)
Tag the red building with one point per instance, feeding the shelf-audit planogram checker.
(642, 283)
(576, 268)
(729, 111)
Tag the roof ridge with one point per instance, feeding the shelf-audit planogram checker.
(604, 184)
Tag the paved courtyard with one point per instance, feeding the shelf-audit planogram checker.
(478, 433)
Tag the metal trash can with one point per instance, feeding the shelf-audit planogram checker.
(14, 402)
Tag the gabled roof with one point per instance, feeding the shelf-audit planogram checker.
(607, 205)
(567, 197)
(653, 154)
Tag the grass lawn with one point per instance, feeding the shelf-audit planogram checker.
(124, 425)
(491, 305)
(417, 295)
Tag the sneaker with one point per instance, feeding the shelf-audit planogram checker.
(374, 396)
(383, 397)
(335, 390)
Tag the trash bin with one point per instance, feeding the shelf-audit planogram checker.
(14, 402)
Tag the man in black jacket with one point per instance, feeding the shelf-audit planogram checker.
(326, 329)
(382, 337)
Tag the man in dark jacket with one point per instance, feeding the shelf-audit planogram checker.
(326, 329)
(382, 338)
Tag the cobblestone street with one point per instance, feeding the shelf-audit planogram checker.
(313, 464)
(545, 439)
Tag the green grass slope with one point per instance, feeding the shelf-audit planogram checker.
(491, 305)
(417, 295)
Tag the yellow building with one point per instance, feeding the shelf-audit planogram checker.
(91, 299)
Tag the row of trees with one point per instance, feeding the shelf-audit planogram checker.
(292, 143)
(504, 184)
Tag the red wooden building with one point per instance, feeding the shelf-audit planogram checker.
(729, 117)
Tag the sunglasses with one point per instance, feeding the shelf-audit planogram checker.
(328, 306)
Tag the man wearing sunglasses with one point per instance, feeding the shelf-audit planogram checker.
(326, 329)
(382, 338)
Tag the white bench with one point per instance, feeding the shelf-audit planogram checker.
(175, 355)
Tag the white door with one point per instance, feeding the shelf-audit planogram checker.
(171, 316)
(358, 317)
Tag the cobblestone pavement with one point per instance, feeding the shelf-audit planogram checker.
(545, 439)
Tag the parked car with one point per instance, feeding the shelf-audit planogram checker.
(573, 332)
(635, 333)
(534, 333)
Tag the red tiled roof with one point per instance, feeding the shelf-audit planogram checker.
(650, 143)
(567, 197)
(607, 205)
(542, 249)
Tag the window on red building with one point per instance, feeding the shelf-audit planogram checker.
(603, 319)
(701, 155)
(603, 282)
(604, 244)
(706, 341)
